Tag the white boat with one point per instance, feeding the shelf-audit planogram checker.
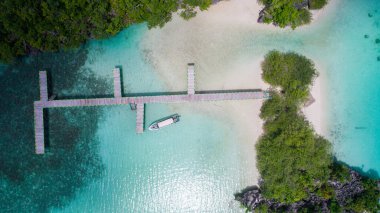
(164, 122)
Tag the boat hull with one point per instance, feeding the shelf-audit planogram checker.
(164, 122)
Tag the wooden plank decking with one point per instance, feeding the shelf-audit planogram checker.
(39, 130)
(139, 101)
(190, 79)
(116, 83)
(140, 118)
(223, 96)
(43, 86)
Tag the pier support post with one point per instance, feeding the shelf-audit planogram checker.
(133, 106)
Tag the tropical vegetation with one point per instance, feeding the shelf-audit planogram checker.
(48, 25)
(317, 4)
(295, 162)
(292, 13)
(291, 157)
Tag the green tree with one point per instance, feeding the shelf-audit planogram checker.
(293, 161)
(286, 12)
(317, 4)
(291, 72)
(49, 25)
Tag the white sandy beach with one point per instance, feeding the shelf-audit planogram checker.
(315, 112)
(213, 41)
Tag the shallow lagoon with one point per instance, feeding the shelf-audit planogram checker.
(192, 165)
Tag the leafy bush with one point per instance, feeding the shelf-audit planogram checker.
(304, 18)
(292, 159)
(291, 72)
(294, 162)
(317, 4)
(285, 12)
(188, 13)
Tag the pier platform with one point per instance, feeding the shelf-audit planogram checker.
(138, 102)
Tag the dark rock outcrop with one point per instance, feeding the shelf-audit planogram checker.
(347, 190)
(252, 198)
(263, 14)
(303, 4)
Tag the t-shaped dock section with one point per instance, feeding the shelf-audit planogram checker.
(139, 101)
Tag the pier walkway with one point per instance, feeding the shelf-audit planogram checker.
(140, 118)
(190, 79)
(139, 101)
(116, 83)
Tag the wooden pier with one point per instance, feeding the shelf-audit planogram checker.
(43, 86)
(140, 118)
(190, 79)
(116, 83)
(39, 129)
(139, 102)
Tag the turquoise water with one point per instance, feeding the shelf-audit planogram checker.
(170, 171)
(194, 165)
(355, 91)
(197, 164)
(352, 70)
(181, 169)
(123, 50)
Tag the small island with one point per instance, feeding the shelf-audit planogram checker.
(298, 170)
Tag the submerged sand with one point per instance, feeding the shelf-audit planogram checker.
(213, 41)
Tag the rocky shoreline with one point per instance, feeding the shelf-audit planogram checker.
(252, 197)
